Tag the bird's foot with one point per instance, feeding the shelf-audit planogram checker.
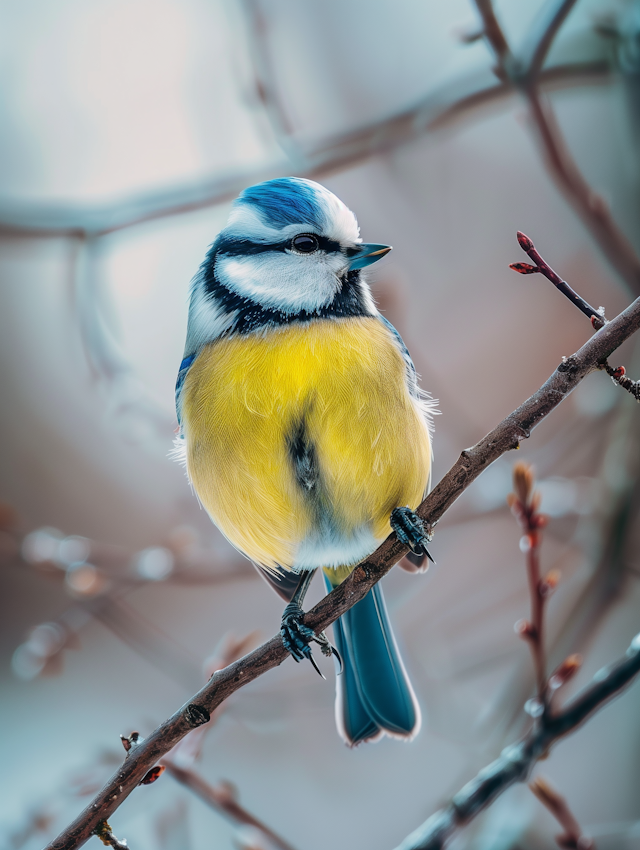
(296, 637)
(410, 530)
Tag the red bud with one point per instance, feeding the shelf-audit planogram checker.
(523, 268)
(552, 578)
(565, 671)
(523, 240)
(152, 775)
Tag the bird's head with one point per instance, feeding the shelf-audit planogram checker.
(290, 249)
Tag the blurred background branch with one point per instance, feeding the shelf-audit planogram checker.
(549, 723)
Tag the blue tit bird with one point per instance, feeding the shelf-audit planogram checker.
(303, 430)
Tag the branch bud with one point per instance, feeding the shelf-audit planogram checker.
(549, 583)
(133, 739)
(523, 240)
(524, 268)
(523, 481)
(552, 578)
(153, 774)
(565, 671)
(524, 629)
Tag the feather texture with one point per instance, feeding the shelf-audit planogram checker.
(342, 385)
(374, 695)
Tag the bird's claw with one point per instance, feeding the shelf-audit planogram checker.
(296, 638)
(409, 530)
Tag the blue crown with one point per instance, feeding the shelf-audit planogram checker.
(286, 200)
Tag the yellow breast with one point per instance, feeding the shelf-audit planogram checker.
(341, 385)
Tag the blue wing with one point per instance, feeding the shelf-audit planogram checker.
(428, 406)
(182, 374)
(411, 374)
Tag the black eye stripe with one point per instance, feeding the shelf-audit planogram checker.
(245, 247)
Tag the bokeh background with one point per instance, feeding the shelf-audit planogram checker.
(126, 129)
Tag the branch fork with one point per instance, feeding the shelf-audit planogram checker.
(541, 266)
(598, 320)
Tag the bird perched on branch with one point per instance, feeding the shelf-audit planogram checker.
(303, 429)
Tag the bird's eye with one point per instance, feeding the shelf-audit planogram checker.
(305, 243)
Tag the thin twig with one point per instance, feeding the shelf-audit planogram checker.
(619, 376)
(506, 436)
(224, 800)
(266, 82)
(524, 503)
(493, 33)
(573, 838)
(591, 207)
(525, 73)
(542, 267)
(516, 761)
(543, 39)
(598, 320)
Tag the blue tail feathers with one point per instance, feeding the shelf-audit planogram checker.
(374, 695)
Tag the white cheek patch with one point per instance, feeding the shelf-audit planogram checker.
(207, 320)
(282, 280)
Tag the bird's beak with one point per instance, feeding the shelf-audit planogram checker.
(366, 254)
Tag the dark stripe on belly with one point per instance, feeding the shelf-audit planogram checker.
(302, 454)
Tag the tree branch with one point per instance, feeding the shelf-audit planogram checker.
(515, 762)
(506, 436)
(223, 799)
(542, 267)
(573, 838)
(436, 110)
(493, 33)
(618, 374)
(525, 73)
(591, 207)
(524, 504)
(542, 41)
